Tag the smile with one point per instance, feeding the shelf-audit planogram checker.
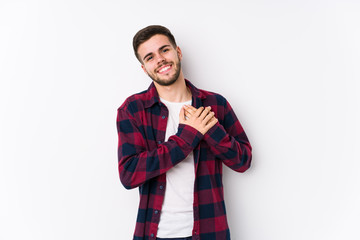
(164, 69)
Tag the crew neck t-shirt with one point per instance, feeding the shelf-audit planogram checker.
(176, 219)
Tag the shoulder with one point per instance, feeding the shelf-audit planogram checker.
(219, 105)
(212, 98)
(134, 103)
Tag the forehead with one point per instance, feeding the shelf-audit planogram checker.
(153, 44)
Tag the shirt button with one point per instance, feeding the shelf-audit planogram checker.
(159, 142)
(163, 117)
(152, 235)
(156, 211)
(161, 187)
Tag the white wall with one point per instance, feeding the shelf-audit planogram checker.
(290, 69)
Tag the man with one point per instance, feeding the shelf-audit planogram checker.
(173, 139)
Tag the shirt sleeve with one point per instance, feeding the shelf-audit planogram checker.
(137, 163)
(229, 142)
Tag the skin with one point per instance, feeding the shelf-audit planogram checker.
(156, 53)
(161, 61)
(202, 119)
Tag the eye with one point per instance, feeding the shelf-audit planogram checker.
(165, 50)
(148, 59)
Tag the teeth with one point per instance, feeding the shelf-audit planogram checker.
(164, 69)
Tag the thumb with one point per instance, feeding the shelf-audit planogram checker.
(182, 115)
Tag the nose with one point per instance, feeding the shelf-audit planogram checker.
(160, 59)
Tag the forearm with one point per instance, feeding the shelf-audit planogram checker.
(231, 146)
(137, 164)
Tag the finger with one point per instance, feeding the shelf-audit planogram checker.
(198, 111)
(208, 117)
(187, 110)
(182, 115)
(205, 112)
(187, 113)
(211, 123)
(190, 108)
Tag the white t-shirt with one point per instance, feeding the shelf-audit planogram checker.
(176, 219)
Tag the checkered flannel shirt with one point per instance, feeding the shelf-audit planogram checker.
(144, 158)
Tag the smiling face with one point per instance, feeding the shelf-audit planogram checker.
(160, 60)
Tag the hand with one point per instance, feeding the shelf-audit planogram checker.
(202, 119)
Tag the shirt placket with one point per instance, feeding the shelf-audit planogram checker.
(196, 226)
(161, 180)
(196, 102)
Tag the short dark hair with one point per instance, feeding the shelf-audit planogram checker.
(146, 33)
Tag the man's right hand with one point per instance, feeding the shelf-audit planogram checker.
(202, 119)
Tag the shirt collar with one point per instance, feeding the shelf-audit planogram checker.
(152, 95)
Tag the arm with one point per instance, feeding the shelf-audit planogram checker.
(136, 164)
(228, 141)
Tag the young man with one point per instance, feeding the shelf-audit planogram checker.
(173, 140)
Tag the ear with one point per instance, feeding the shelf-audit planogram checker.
(179, 53)
(144, 69)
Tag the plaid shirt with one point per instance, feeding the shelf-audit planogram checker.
(144, 159)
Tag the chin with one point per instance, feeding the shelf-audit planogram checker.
(165, 83)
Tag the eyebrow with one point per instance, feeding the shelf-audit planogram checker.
(159, 50)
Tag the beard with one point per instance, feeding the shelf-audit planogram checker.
(156, 78)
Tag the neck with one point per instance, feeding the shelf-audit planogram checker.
(177, 92)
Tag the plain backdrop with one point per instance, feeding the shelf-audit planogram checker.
(290, 69)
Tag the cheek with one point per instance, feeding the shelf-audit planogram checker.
(178, 56)
(147, 68)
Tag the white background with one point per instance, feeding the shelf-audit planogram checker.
(290, 69)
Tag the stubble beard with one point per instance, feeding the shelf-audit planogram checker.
(170, 81)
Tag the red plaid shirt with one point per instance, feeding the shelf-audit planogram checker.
(144, 159)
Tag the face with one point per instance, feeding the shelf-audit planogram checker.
(160, 60)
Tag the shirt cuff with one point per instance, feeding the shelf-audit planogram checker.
(215, 134)
(189, 134)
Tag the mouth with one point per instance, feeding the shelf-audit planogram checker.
(165, 69)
